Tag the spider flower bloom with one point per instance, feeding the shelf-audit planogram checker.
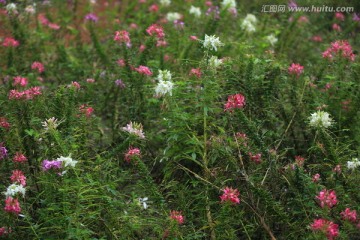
(295, 69)
(163, 88)
(20, 81)
(164, 75)
(3, 151)
(255, 158)
(156, 30)
(12, 205)
(27, 94)
(135, 129)
(228, 4)
(131, 153)
(327, 198)
(327, 227)
(18, 177)
(85, 109)
(91, 17)
(320, 119)
(38, 66)
(196, 72)
(68, 161)
(4, 123)
(47, 165)
(177, 216)
(14, 189)
(234, 101)
(230, 195)
(123, 37)
(341, 48)
(212, 42)
(144, 70)
(10, 42)
(19, 157)
(349, 215)
(50, 124)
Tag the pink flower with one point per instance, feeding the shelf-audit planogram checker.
(143, 70)
(19, 177)
(340, 16)
(255, 158)
(12, 205)
(196, 72)
(337, 169)
(336, 27)
(193, 38)
(329, 228)
(27, 94)
(43, 20)
(123, 37)
(131, 153)
(121, 62)
(349, 215)
(38, 66)
(85, 109)
(235, 101)
(19, 157)
(177, 216)
(154, 8)
(90, 80)
(10, 42)
(76, 85)
(316, 178)
(161, 43)
(327, 198)
(4, 231)
(135, 129)
(231, 195)
(20, 81)
(299, 161)
(341, 48)
(295, 69)
(316, 38)
(142, 48)
(4, 123)
(156, 30)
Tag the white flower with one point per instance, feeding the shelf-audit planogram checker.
(228, 4)
(92, 2)
(320, 119)
(165, 2)
(250, 18)
(68, 161)
(353, 164)
(135, 128)
(173, 16)
(212, 42)
(164, 75)
(30, 9)
(195, 11)
(271, 39)
(163, 88)
(214, 62)
(11, 7)
(50, 124)
(248, 23)
(143, 202)
(13, 189)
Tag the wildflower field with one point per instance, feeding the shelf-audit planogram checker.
(179, 119)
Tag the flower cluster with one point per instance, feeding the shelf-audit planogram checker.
(341, 48)
(12, 205)
(45, 22)
(54, 164)
(4, 123)
(248, 23)
(131, 153)
(144, 70)
(349, 215)
(86, 110)
(3, 151)
(234, 101)
(329, 228)
(19, 158)
(230, 195)
(177, 216)
(214, 62)
(353, 164)
(295, 69)
(163, 88)
(14, 189)
(156, 30)
(255, 158)
(18, 80)
(18, 177)
(228, 4)
(135, 129)
(50, 124)
(59, 163)
(320, 119)
(327, 198)
(38, 66)
(196, 72)
(123, 37)
(27, 94)
(91, 17)
(10, 42)
(195, 11)
(212, 42)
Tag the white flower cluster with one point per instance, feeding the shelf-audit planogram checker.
(271, 39)
(353, 164)
(195, 11)
(214, 62)
(228, 4)
(320, 119)
(173, 16)
(165, 85)
(164, 75)
(50, 124)
(212, 42)
(248, 23)
(14, 189)
(165, 2)
(67, 161)
(135, 129)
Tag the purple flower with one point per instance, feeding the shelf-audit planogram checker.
(179, 24)
(215, 11)
(91, 17)
(3, 152)
(356, 17)
(47, 165)
(120, 83)
(3, 1)
(292, 4)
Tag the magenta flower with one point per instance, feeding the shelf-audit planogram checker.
(19, 157)
(341, 48)
(349, 215)
(177, 216)
(12, 205)
(230, 195)
(329, 228)
(91, 17)
(47, 165)
(123, 37)
(10, 42)
(18, 177)
(3, 151)
(20, 81)
(131, 153)
(316, 178)
(38, 66)
(255, 158)
(295, 69)
(327, 198)
(144, 70)
(4, 123)
(235, 101)
(27, 94)
(156, 30)
(196, 72)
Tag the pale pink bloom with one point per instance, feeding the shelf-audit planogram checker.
(123, 37)
(337, 169)
(133, 26)
(76, 85)
(329, 228)
(18, 177)
(121, 62)
(327, 198)
(154, 8)
(20, 81)
(230, 195)
(177, 216)
(255, 158)
(10, 42)
(166, 57)
(295, 69)
(303, 19)
(316, 38)
(38, 66)
(134, 128)
(235, 101)
(43, 20)
(340, 16)
(341, 48)
(161, 43)
(54, 26)
(196, 72)
(4, 123)
(156, 30)
(90, 80)
(143, 70)
(12, 205)
(27, 94)
(336, 27)
(85, 109)
(316, 178)
(208, 3)
(194, 38)
(349, 215)
(131, 153)
(142, 48)
(19, 157)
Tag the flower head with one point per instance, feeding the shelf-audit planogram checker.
(156, 30)
(212, 42)
(234, 101)
(123, 37)
(144, 70)
(195, 11)
(177, 216)
(10, 42)
(295, 69)
(327, 227)
(248, 23)
(12, 205)
(50, 124)
(327, 198)
(230, 195)
(67, 161)
(18, 177)
(55, 164)
(38, 66)
(14, 189)
(4, 123)
(131, 153)
(173, 16)
(320, 119)
(19, 157)
(271, 39)
(3, 151)
(228, 4)
(349, 215)
(164, 75)
(135, 129)
(91, 17)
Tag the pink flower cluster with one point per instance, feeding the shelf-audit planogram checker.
(329, 228)
(195, 72)
(19, 157)
(327, 198)
(10, 42)
(123, 37)
(4, 231)
(131, 153)
(255, 158)
(38, 66)
(156, 30)
(18, 177)
(18, 80)
(144, 70)
(295, 69)
(12, 205)
(230, 195)
(349, 215)
(177, 216)
(27, 94)
(45, 22)
(234, 101)
(341, 48)
(4, 123)
(85, 109)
